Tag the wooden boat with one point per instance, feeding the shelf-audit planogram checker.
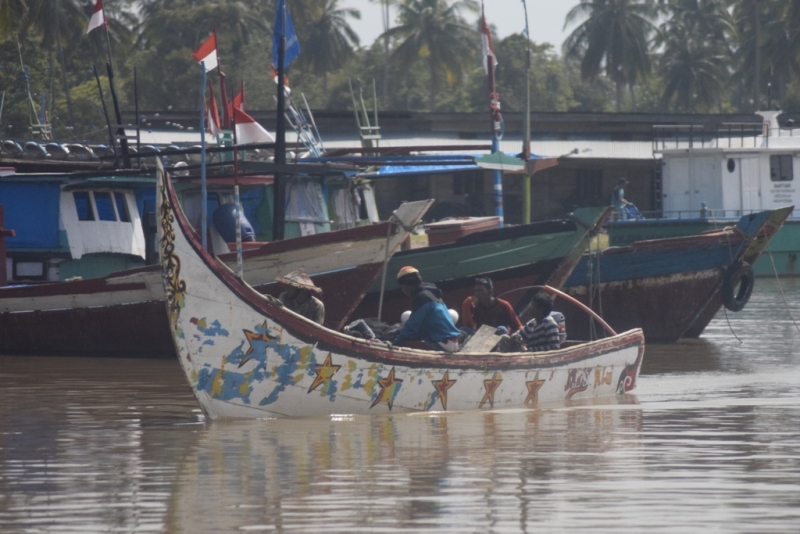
(671, 287)
(122, 314)
(244, 355)
(532, 254)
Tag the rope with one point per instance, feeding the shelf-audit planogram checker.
(780, 287)
(730, 326)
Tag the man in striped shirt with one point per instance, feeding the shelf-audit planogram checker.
(539, 334)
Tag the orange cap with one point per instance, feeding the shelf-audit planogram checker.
(404, 271)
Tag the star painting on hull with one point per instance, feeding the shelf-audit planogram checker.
(389, 388)
(491, 386)
(324, 372)
(533, 390)
(261, 335)
(441, 390)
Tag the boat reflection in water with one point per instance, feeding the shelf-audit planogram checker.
(423, 471)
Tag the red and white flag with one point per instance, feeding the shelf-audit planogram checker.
(207, 53)
(487, 48)
(248, 130)
(98, 19)
(237, 102)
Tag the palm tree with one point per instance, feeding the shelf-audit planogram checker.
(55, 25)
(435, 32)
(387, 24)
(695, 56)
(613, 37)
(752, 17)
(13, 14)
(323, 30)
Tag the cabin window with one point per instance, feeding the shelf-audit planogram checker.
(731, 165)
(83, 204)
(105, 208)
(780, 168)
(122, 207)
(29, 270)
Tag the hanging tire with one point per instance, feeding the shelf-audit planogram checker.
(737, 286)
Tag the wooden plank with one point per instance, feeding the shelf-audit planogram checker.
(484, 340)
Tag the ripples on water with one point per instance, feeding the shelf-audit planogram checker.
(709, 441)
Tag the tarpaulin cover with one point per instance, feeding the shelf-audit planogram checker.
(31, 210)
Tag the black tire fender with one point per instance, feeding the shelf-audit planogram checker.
(737, 286)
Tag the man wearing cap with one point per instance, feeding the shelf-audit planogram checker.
(618, 199)
(484, 308)
(299, 296)
(430, 320)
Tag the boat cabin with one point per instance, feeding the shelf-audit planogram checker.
(737, 170)
(69, 228)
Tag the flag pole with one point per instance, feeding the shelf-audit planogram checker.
(105, 113)
(239, 266)
(526, 149)
(279, 186)
(223, 93)
(203, 186)
(123, 141)
(495, 121)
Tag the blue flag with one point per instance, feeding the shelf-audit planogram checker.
(283, 20)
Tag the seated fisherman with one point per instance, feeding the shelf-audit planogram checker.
(484, 308)
(430, 319)
(299, 296)
(539, 334)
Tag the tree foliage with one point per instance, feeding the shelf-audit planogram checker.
(633, 55)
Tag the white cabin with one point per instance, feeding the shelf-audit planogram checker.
(735, 171)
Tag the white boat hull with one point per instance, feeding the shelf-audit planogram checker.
(246, 356)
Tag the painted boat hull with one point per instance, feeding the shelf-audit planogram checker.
(246, 356)
(106, 316)
(779, 259)
(671, 288)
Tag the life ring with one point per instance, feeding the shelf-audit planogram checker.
(737, 286)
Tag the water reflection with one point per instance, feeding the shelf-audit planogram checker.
(89, 445)
(458, 470)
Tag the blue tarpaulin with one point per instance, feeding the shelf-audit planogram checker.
(31, 210)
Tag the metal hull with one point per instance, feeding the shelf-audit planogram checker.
(246, 356)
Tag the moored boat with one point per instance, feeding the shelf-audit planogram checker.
(244, 355)
(122, 314)
(672, 287)
(539, 253)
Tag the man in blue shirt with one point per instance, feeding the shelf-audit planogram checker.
(430, 320)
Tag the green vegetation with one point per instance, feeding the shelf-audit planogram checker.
(694, 56)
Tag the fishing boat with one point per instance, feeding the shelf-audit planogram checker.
(73, 225)
(671, 287)
(710, 179)
(246, 356)
(122, 314)
(541, 253)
